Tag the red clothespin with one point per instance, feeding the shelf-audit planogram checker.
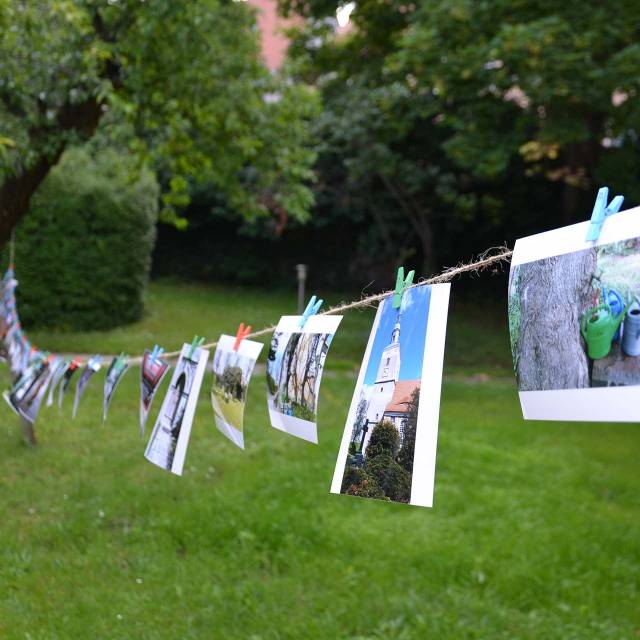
(241, 335)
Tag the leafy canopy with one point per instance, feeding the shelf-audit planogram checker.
(182, 79)
(437, 114)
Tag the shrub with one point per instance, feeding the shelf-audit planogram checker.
(83, 252)
(394, 481)
(356, 482)
(384, 439)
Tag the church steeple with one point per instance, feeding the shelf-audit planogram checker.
(389, 367)
(395, 334)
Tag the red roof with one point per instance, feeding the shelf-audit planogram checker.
(402, 396)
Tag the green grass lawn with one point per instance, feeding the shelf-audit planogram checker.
(535, 532)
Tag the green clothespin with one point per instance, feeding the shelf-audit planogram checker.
(401, 286)
(195, 344)
(121, 361)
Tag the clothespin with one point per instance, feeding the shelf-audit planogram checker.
(121, 360)
(155, 353)
(601, 211)
(312, 308)
(195, 344)
(241, 334)
(401, 285)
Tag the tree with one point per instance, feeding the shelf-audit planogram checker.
(232, 382)
(360, 420)
(183, 82)
(390, 477)
(559, 83)
(552, 294)
(409, 427)
(384, 439)
(439, 114)
(356, 482)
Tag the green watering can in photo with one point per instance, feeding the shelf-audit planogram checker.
(598, 326)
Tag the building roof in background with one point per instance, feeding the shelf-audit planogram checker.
(402, 396)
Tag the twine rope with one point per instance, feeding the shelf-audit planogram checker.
(493, 257)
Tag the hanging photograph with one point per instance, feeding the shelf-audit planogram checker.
(574, 322)
(294, 369)
(56, 377)
(231, 374)
(115, 372)
(152, 371)
(74, 365)
(27, 394)
(169, 439)
(93, 366)
(388, 448)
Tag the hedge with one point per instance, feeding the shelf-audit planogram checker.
(83, 252)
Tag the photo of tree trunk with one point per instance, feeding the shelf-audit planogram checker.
(294, 381)
(572, 319)
(295, 363)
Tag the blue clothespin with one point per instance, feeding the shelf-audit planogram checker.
(601, 211)
(195, 344)
(312, 308)
(401, 285)
(156, 353)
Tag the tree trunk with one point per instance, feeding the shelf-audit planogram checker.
(553, 294)
(16, 190)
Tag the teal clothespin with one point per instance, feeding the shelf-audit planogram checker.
(312, 308)
(195, 344)
(601, 211)
(121, 361)
(401, 285)
(156, 353)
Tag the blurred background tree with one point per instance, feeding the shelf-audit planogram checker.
(415, 134)
(446, 127)
(180, 83)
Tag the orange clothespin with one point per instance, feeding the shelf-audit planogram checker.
(241, 335)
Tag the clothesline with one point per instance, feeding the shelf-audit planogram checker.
(485, 260)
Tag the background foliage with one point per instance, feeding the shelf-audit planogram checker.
(83, 254)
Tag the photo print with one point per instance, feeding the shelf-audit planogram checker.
(27, 394)
(56, 377)
(231, 374)
(294, 369)
(574, 322)
(169, 439)
(388, 448)
(74, 365)
(93, 366)
(115, 372)
(152, 372)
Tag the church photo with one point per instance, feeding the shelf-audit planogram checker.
(401, 367)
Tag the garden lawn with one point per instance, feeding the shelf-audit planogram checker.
(535, 533)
